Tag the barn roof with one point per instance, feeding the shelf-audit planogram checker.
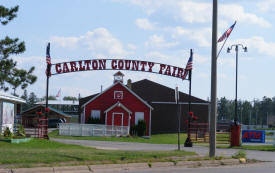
(118, 83)
(152, 92)
(155, 92)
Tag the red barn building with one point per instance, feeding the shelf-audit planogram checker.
(118, 106)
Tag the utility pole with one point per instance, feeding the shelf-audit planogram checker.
(213, 110)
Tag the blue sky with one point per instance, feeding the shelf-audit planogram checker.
(153, 30)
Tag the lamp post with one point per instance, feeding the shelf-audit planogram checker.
(236, 90)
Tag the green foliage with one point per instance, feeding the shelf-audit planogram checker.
(21, 131)
(70, 98)
(7, 133)
(92, 120)
(141, 128)
(7, 15)
(10, 75)
(239, 154)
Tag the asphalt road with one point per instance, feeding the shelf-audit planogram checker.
(203, 151)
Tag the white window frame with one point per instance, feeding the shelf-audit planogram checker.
(95, 110)
(137, 118)
(118, 92)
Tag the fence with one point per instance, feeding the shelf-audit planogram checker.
(199, 132)
(73, 129)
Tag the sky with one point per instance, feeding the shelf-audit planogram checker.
(150, 30)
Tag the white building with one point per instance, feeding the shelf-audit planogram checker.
(8, 110)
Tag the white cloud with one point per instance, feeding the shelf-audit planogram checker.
(266, 5)
(202, 36)
(259, 44)
(100, 41)
(159, 42)
(144, 24)
(237, 12)
(198, 12)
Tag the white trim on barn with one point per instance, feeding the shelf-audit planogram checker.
(113, 117)
(119, 105)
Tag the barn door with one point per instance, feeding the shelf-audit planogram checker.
(118, 119)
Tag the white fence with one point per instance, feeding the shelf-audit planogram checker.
(73, 129)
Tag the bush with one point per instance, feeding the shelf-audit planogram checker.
(8, 133)
(141, 128)
(93, 121)
(239, 154)
(21, 131)
(133, 130)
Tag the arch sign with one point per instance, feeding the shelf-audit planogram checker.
(118, 64)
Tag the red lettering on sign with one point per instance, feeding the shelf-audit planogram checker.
(58, 68)
(174, 71)
(162, 66)
(127, 64)
(94, 64)
(65, 68)
(88, 63)
(135, 65)
(73, 67)
(151, 64)
(81, 68)
(114, 64)
(102, 64)
(180, 71)
(168, 70)
(143, 64)
(245, 135)
(120, 64)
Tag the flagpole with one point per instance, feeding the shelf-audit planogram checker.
(222, 47)
(188, 142)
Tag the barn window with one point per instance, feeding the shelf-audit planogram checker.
(139, 116)
(118, 94)
(95, 114)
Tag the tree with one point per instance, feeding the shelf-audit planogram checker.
(10, 74)
(70, 98)
(32, 99)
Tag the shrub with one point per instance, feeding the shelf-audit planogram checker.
(7, 133)
(141, 128)
(21, 131)
(239, 154)
(92, 120)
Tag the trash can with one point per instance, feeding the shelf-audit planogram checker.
(235, 135)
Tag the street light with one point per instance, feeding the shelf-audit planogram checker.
(236, 92)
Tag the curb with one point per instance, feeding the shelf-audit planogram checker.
(120, 167)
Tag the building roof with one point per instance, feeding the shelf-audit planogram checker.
(152, 92)
(155, 92)
(33, 109)
(118, 83)
(11, 98)
(58, 102)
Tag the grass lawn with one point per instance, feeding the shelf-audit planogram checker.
(155, 139)
(251, 147)
(39, 152)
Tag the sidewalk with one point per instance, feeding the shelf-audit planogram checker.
(121, 167)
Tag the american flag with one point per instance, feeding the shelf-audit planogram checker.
(188, 67)
(48, 56)
(59, 93)
(227, 32)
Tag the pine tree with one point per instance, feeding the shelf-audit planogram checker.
(9, 74)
